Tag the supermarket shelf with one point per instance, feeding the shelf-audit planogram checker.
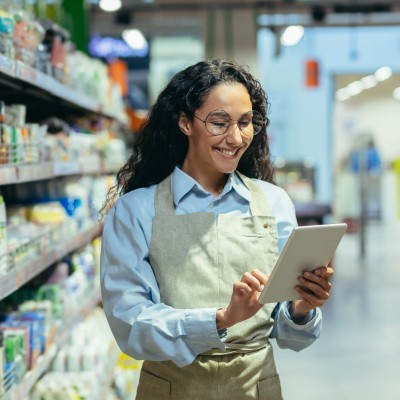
(8, 175)
(18, 71)
(49, 170)
(20, 275)
(22, 390)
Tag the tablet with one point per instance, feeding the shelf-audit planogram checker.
(308, 248)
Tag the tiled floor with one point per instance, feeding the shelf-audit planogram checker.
(357, 356)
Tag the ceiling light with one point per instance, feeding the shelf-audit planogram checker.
(383, 73)
(354, 88)
(110, 5)
(292, 35)
(135, 39)
(342, 95)
(369, 81)
(396, 93)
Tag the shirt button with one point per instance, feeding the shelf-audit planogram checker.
(265, 225)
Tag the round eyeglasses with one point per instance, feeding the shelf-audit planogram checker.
(218, 122)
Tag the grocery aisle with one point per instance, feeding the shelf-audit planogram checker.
(357, 356)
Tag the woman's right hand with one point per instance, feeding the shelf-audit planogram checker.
(244, 300)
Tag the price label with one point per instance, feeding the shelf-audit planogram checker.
(7, 175)
(35, 172)
(7, 66)
(25, 73)
(91, 165)
(8, 284)
(66, 168)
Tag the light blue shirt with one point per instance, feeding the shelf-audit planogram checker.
(144, 327)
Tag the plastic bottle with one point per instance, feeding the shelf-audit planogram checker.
(3, 237)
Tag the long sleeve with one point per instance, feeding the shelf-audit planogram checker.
(143, 327)
(290, 335)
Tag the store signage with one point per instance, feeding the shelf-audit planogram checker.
(111, 48)
(312, 73)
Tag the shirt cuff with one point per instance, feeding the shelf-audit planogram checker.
(201, 330)
(306, 320)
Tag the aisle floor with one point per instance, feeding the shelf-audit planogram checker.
(358, 354)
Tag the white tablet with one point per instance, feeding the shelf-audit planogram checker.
(308, 248)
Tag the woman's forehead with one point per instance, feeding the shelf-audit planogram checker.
(230, 97)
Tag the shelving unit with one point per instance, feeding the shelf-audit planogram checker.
(33, 172)
(17, 76)
(22, 390)
(44, 96)
(19, 275)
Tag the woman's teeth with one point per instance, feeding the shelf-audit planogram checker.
(227, 152)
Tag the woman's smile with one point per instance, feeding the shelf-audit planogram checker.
(230, 153)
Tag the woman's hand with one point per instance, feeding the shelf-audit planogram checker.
(314, 289)
(244, 301)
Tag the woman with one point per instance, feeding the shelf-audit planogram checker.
(190, 243)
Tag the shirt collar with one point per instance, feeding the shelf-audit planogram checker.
(182, 184)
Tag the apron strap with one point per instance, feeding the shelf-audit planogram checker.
(258, 204)
(164, 201)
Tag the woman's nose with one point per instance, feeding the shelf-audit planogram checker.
(234, 134)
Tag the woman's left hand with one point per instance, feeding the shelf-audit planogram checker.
(314, 288)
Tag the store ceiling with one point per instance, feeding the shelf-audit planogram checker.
(275, 5)
(184, 17)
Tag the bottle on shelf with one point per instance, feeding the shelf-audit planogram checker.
(3, 237)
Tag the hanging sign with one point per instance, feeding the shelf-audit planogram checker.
(312, 73)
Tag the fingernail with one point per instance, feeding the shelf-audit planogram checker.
(307, 274)
(261, 288)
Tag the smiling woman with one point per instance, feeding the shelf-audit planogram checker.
(189, 244)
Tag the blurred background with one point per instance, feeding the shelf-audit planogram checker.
(77, 77)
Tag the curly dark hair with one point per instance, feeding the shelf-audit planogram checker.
(161, 145)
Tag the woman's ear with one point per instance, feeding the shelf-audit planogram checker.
(184, 124)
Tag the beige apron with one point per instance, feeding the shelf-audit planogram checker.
(196, 258)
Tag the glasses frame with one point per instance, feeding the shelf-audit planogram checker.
(231, 121)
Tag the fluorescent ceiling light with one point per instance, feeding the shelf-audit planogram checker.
(135, 39)
(110, 5)
(292, 35)
(383, 73)
(368, 81)
(354, 88)
(342, 94)
(396, 93)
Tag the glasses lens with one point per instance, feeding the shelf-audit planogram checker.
(217, 122)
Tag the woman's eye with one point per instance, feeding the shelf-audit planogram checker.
(244, 123)
(220, 124)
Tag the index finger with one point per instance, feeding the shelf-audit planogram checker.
(260, 276)
(324, 272)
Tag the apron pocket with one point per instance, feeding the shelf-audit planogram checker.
(152, 387)
(269, 389)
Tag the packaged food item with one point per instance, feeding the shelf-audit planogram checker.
(3, 144)
(6, 34)
(2, 366)
(28, 34)
(3, 237)
(54, 49)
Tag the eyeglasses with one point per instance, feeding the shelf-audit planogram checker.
(218, 122)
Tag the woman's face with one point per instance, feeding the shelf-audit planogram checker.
(216, 155)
